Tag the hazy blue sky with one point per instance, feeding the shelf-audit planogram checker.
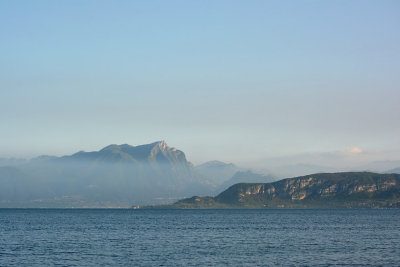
(229, 80)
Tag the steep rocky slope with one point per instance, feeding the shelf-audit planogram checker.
(325, 190)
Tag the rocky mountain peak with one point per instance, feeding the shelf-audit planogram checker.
(162, 145)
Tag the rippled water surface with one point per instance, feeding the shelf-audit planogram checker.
(199, 237)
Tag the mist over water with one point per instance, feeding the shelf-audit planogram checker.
(115, 176)
(87, 183)
(252, 91)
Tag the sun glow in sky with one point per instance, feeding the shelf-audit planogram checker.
(229, 80)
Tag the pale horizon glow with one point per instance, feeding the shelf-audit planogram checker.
(238, 81)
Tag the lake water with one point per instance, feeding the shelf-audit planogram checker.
(199, 237)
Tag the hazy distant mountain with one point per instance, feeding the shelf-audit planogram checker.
(395, 170)
(384, 166)
(381, 166)
(12, 161)
(246, 177)
(216, 171)
(14, 184)
(117, 175)
(298, 169)
(323, 190)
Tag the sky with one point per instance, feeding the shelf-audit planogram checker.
(237, 81)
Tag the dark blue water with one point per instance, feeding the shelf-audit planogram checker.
(199, 237)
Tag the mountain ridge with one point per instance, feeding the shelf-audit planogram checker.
(115, 175)
(323, 190)
(217, 172)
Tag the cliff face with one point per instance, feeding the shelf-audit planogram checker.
(352, 189)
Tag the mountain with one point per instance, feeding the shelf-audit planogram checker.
(246, 177)
(395, 170)
(114, 176)
(216, 171)
(12, 184)
(298, 169)
(380, 166)
(12, 161)
(324, 190)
